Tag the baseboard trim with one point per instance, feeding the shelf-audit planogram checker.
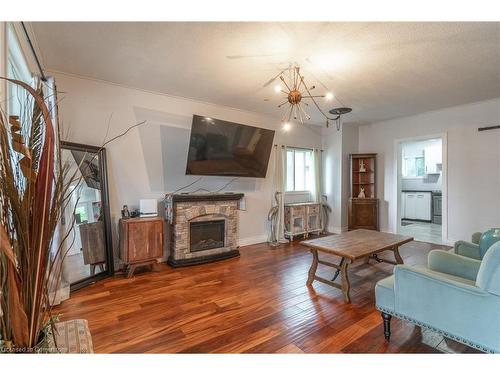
(338, 229)
(252, 240)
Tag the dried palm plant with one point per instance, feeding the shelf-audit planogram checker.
(34, 190)
(30, 196)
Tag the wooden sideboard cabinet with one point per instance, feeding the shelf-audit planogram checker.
(141, 242)
(302, 219)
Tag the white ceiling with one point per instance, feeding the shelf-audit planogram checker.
(381, 70)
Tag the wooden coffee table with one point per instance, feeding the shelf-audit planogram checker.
(351, 246)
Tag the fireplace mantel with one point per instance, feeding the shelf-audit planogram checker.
(207, 197)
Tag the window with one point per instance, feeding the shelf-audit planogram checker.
(299, 170)
(81, 213)
(413, 166)
(17, 68)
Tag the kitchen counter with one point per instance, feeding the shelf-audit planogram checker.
(435, 192)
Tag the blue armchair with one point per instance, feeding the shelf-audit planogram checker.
(479, 245)
(457, 296)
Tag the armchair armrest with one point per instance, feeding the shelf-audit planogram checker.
(453, 264)
(403, 274)
(476, 237)
(467, 249)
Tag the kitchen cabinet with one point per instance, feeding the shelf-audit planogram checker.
(416, 205)
(433, 159)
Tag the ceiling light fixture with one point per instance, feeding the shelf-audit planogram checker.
(296, 90)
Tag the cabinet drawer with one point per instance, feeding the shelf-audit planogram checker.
(313, 209)
(298, 211)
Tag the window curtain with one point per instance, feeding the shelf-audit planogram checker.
(317, 192)
(316, 186)
(277, 214)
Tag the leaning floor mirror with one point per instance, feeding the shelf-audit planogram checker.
(85, 219)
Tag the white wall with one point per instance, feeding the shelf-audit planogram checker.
(337, 145)
(473, 202)
(150, 161)
(350, 144)
(332, 176)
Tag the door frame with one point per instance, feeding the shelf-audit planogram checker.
(444, 179)
(101, 152)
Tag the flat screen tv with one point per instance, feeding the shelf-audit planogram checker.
(223, 148)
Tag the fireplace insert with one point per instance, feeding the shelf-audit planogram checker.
(206, 235)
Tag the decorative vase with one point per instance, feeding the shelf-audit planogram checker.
(362, 167)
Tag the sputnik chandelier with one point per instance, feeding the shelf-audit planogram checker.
(296, 91)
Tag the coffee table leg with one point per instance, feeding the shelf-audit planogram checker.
(399, 260)
(314, 266)
(346, 286)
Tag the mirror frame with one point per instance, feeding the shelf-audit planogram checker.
(101, 153)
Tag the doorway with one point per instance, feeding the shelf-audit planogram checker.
(88, 249)
(421, 188)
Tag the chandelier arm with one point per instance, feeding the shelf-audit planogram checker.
(317, 106)
(293, 78)
(299, 116)
(280, 105)
(290, 114)
(283, 80)
(275, 77)
(304, 112)
(301, 82)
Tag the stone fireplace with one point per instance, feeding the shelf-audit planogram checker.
(203, 227)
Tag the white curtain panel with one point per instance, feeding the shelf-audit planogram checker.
(317, 191)
(316, 161)
(279, 189)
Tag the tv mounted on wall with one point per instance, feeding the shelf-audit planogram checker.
(223, 148)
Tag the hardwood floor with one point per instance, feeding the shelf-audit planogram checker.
(257, 303)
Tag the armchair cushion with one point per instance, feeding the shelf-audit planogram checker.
(488, 278)
(453, 264)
